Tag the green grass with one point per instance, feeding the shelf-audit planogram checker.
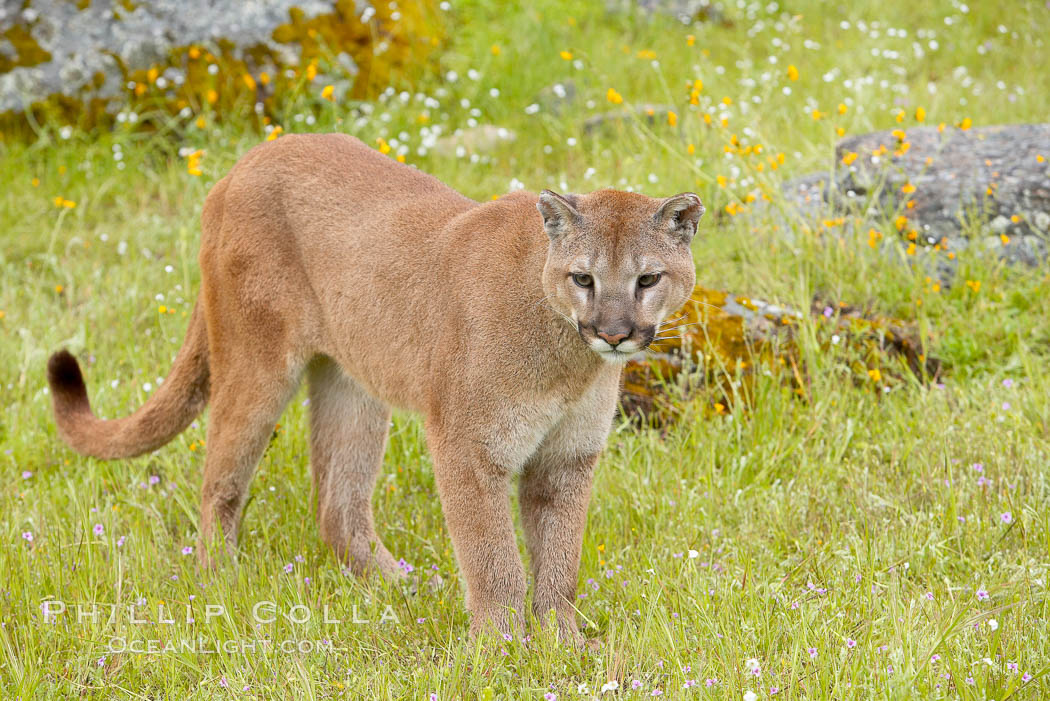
(855, 515)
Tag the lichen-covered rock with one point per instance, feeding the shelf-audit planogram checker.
(944, 189)
(685, 11)
(718, 341)
(83, 61)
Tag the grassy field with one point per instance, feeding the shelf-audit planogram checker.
(861, 542)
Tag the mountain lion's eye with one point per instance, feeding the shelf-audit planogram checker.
(648, 280)
(583, 279)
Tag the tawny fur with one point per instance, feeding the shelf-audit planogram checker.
(320, 256)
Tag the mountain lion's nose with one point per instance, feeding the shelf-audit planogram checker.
(612, 338)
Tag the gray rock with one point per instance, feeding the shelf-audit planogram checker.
(481, 139)
(966, 184)
(97, 38)
(648, 113)
(685, 11)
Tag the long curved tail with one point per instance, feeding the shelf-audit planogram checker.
(172, 407)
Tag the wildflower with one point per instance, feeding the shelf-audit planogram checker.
(710, 682)
(63, 203)
(812, 652)
(982, 595)
(656, 692)
(750, 696)
(969, 681)
(935, 658)
(614, 97)
(907, 188)
(405, 567)
(635, 684)
(929, 596)
(842, 108)
(817, 115)
(249, 81)
(288, 568)
(690, 40)
(328, 92)
(26, 474)
(875, 374)
(920, 114)
(496, 50)
(1012, 667)
(311, 71)
(27, 536)
(753, 666)
(849, 158)
(1026, 677)
(792, 73)
(550, 695)
(120, 541)
(188, 550)
(672, 118)
(565, 55)
(966, 124)
(98, 529)
(193, 162)
(851, 643)
(1006, 517)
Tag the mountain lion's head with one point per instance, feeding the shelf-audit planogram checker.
(619, 263)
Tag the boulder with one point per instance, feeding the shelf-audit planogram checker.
(948, 189)
(80, 61)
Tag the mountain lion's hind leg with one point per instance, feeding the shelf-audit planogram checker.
(247, 400)
(348, 430)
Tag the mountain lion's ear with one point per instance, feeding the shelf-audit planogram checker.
(559, 214)
(680, 215)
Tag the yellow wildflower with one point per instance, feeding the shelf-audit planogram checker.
(920, 114)
(328, 92)
(849, 158)
(566, 56)
(672, 118)
(614, 97)
(792, 72)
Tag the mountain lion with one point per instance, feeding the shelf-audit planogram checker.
(504, 324)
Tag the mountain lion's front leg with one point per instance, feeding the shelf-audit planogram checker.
(553, 494)
(474, 496)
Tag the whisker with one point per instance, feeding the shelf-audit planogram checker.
(671, 321)
(681, 326)
(706, 304)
